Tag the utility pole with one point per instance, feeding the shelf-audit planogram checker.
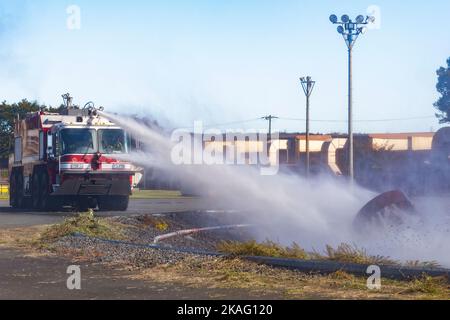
(350, 31)
(269, 139)
(308, 86)
(269, 118)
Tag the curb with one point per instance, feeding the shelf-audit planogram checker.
(307, 266)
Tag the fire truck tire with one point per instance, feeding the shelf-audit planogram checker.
(103, 203)
(45, 201)
(113, 203)
(16, 199)
(35, 191)
(86, 204)
(13, 190)
(120, 203)
(20, 190)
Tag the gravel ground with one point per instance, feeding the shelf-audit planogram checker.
(98, 251)
(142, 229)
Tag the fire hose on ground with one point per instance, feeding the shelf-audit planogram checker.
(197, 230)
(366, 215)
(307, 266)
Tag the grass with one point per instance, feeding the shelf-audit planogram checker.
(87, 224)
(343, 253)
(435, 286)
(352, 254)
(156, 194)
(267, 249)
(272, 283)
(21, 237)
(157, 223)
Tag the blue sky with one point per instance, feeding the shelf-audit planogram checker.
(223, 61)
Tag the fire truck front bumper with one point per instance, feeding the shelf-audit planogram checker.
(94, 184)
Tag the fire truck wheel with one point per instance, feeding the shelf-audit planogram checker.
(19, 190)
(13, 190)
(121, 203)
(35, 191)
(104, 203)
(44, 203)
(113, 203)
(86, 204)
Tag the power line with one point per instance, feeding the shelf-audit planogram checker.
(314, 120)
(362, 120)
(231, 123)
(226, 123)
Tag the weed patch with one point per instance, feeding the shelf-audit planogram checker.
(435, 286)
(267, 248)
(352, 254)
(84, 223)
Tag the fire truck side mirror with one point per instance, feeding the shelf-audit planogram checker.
(50, 151)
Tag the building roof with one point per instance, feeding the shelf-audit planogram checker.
(314, 137)
(404, 135)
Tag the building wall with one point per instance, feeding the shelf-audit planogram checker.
(421, 143)
(381, 160)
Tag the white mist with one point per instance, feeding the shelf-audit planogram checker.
(287, 208)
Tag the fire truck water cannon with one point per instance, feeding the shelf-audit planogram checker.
(70, 158)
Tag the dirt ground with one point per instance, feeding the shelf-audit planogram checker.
(30, 271)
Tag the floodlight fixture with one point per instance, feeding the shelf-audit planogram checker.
(333, 18)
(360, 19)
(345, 18)
(370, 19)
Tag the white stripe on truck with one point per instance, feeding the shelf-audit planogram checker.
(87, 166)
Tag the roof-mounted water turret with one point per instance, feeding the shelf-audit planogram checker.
(89, 109)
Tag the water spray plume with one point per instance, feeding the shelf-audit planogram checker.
(287, 208)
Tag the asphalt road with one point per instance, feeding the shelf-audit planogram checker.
(29, 277)
(42, 278)
(11, 218)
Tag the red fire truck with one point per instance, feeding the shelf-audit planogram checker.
(72, 158)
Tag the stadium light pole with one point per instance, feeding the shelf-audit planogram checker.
(308, 86)
(350, 31)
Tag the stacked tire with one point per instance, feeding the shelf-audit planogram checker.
(113, 203)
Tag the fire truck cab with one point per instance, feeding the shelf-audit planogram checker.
(75, 158)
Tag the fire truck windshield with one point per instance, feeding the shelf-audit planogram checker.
(78, 141)
(112, 141)
(88, 141)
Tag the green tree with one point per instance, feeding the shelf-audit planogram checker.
(443, 87)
